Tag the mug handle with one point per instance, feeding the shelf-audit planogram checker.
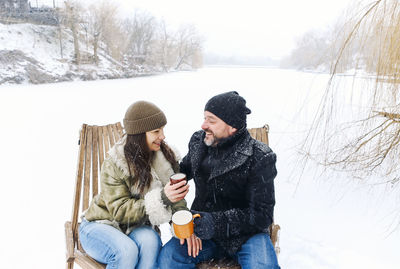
(196, 216)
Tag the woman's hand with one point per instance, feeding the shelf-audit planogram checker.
(176, 192)
(194, 245)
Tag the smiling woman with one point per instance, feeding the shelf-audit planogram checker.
(136, 195)
(154, 138)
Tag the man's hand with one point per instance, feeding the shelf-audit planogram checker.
(204, 227)
(176, 192)
(194, 245)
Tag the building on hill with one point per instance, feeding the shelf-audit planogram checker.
(21, 11)
(7, 6)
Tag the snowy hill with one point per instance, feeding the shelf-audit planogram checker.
(34, 54)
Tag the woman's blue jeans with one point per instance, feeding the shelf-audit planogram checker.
(256, 253)
(108, 245)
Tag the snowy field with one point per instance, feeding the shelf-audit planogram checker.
(327, 222)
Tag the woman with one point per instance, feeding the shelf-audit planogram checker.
(119, 227)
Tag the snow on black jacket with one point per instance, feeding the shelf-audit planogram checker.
(237, 187)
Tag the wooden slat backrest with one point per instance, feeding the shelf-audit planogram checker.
(88, 157)
(101, 144)
(78, 182)
(119, 128)
(95, 161)
(106, 140)
(94, 143)
(111, 135)
(260, 134)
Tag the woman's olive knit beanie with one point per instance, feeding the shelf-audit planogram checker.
(142, 117)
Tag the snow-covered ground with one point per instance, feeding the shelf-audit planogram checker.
(32, 53)
(327, 221)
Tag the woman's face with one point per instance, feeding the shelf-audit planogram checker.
(154, 138)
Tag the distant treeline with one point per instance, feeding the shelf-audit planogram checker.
(136, 40)
(356, 44)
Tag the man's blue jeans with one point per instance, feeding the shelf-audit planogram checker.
(108, 245)
(256, 253)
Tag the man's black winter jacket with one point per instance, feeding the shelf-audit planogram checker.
(235, 182)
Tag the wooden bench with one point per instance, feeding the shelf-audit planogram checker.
(94, 143)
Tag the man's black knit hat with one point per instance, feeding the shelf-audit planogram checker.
(229, 107)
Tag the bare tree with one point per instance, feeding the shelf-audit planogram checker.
(189, 45)
(310, 52)
(140, 32)
(112, 35)
(139, 41)
(163, 48)
(72, 10)
(368, 142)
(103, 26)
(60, 17)
(318, 49)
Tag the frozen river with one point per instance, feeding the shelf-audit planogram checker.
(326, 222)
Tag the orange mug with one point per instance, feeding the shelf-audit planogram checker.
(182, 222)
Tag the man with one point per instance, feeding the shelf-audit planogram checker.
(233, 175)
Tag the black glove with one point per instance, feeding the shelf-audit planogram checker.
(204, 227)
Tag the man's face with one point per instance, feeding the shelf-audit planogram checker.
(216, 129)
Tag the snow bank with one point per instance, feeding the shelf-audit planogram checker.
(32, 53)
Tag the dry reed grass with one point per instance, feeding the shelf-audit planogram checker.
(367, 142)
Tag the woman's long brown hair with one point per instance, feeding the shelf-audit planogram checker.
(139, 157)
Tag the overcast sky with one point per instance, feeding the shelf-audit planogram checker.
(251, 27)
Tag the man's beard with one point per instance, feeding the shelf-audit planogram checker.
(210, 140)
